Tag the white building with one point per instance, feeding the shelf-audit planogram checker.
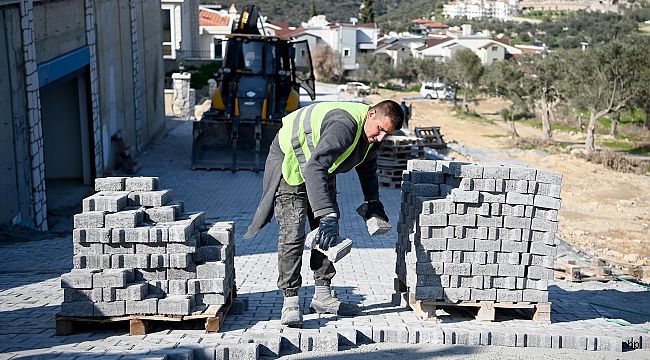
(180, 28)
(474, 9)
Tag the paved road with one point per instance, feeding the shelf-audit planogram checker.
(30, 294)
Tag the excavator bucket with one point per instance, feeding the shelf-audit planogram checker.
(231, 145)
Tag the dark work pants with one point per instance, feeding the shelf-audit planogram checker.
(292, 211)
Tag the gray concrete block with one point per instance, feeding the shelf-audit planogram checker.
(551, 190)
(118, 249)
(462, 220)
(548, 177)
(578, 342)
(180, 261)
(113, 278)
(90, 219)
(428, 190)
(468, 337)
(522, 173)
(535, 295)
(211, 270)
(465, 184)
(130, 235)
(539, 248)
(491, 198)
(159, 261)
(509, 295)
(477, 209)
(496, 172)
(481, 184)
(609, 343)
(86, 248)
(140, 261)
(105, 201)
(91, 235)
(539, 273)
(464, 196)
(212, 299)
(427, 177)
(421, 165)
(141, 183)
(544, 225)
(78, 279)
(465, 170)
(433, 220)
(162, 214)
(269, 342)
(485, 270)
(182, 248)
(150, 198)
(457, 269)
(532, 187)
(433, 244)
(182, 274)
(377, 226)
(76, 295)
(145, 306)
(212, 253)
(511, 270)
(460, 244)
(440, 256)
(431, 336)
(503, 338)
(429, 268)
(547, 202)
(546, 214)
(211, 285)
(428, 292)
(513, 222)
(181, 231)
(456, 294)
(512, 210)
(514, 246)
(159, 233)
(175, 305)
(486, 294)
(515, 198)
(495, 209)
(92, 262)
(177, 287)
(390, 334)
(545, 261)
(539, 340)
(113, 183)
(490, 221)
(77, 308)
(124, 219)
(113, 308)
(487, 245)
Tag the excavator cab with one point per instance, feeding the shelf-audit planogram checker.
(257, 85)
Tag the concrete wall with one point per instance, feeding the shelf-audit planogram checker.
(118, 88)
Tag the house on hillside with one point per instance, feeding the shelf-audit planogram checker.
(214, 25)
(426, 26)
(79, 81)
(398, 49)
(180, 28)
(348, 40)
(487, 49)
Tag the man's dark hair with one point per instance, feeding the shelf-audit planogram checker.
(392, 110)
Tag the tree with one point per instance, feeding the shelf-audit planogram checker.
(545, 74)
(465, 70)
(606, 78)
(366, 14)
(312, 9)
(326, 65)
(507, 79)
(374, 69)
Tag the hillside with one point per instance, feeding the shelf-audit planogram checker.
(389, 14)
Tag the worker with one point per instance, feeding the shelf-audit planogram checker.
(253, 61)
(407, 113)
(314, 144)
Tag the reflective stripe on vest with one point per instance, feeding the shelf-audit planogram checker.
(300, 134)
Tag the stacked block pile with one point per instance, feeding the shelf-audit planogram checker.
(392, 156)
(475, 232)
(136, 252)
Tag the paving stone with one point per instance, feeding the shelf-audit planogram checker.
(124, 219)
(115, 183)
(90, 219)
(141, 183)
(113, 308)
(175, 305)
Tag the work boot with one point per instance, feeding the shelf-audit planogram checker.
(332, 305)
(291, 314)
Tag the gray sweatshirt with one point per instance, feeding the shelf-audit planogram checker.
(338, 131)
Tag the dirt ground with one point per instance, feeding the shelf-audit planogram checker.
(604, 212)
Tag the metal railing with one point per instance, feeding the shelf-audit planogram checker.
(194, 54)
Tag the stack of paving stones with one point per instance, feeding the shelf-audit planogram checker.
(477, 232)
(137, 252)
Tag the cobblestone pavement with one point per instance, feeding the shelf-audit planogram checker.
(30, 293)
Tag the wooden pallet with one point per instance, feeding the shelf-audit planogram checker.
(213, 316)
(431, 137)
(580, 271)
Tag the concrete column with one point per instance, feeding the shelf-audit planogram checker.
(91, 41)
(137, 74)
(183, 98)
(39, 198)
(212, 87)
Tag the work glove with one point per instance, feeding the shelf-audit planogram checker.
(328, 231)
(376, 208)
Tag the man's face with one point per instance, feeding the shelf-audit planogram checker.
(377, 126)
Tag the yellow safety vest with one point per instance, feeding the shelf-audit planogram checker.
(300, 133)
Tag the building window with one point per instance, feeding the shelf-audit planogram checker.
(167, 43)
(346, 52)
(494, 48)
(218, 49)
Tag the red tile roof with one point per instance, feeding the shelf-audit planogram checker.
(211, 18)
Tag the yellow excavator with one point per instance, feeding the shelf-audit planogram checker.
(258, 84)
